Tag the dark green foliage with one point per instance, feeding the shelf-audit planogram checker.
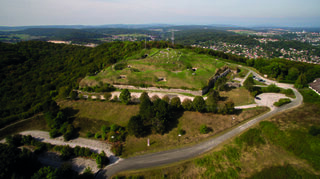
(46, 172)
(301, 82)
(199, 104)
(125, 96)
(87, 174)
(73, 95)
(54, 133)
(175, 103)
(204, 129)
(120, 66)
(16, 163)
(107, 96)
(187, 105)
(89, 134)
(227, 108)
(117, 148)
(309, 96)
(271, 89)
(251, 138)
(212, 101)
(102, 160)
(166, 99)
(248, 84)
(314, 130)
(135, 126)
(32, 72)
(14, 140)
(282, 101)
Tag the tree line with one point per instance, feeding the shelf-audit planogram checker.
(35, 72)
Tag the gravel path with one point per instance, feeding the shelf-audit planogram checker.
(150, 89)
(94, 145)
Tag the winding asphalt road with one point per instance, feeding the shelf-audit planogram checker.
(171, 156)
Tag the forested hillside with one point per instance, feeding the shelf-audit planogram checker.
(34, 72)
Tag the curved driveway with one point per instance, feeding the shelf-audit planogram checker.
(171, 156)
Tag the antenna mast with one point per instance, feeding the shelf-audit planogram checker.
(172, 38)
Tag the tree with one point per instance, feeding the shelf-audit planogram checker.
(73, 95)
(211, 103)
(125, 96)
(301, 82)
(248, 84)
(46, 172)
(135, 126)
(293, 74)
(229, 105)
(199, 104)
(187, 104)
(146, 109)
(107, 96)
(204, 129)
(176, 103)
(166, 99)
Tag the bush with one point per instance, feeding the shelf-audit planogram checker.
(54, 133)
(271, 89)
(14, 140)
(125, 96)
(282, 101)
(199, 104)
(107, 96)
(187, 105)
(204, 129)
(89, 134)
(176, 103)
(117, 148)
(97, 135)
(314, 130)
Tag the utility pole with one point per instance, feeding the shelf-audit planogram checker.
(172, 38)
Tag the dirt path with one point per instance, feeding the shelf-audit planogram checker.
(94, 145)
(155, 89)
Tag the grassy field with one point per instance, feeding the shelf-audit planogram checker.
(190, 122)
(113, 113)
(172, 65)
(278, 148)
(240, 96)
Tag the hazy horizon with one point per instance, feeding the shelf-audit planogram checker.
(286, 13)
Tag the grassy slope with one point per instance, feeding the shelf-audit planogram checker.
(171, 64)
(278, 148)
(240, 96)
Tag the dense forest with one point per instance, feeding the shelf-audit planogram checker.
(34, 72)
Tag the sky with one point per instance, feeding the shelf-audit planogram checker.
(297, 13)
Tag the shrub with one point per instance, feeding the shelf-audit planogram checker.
(125, 96)
(54, 133)
(204, 129)
(282, 102)
(107, 96)
(187, 105)
(176, 103)
(117, 148)
(199, 104)
(97, 135)
(89, 134)
(166, 99)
